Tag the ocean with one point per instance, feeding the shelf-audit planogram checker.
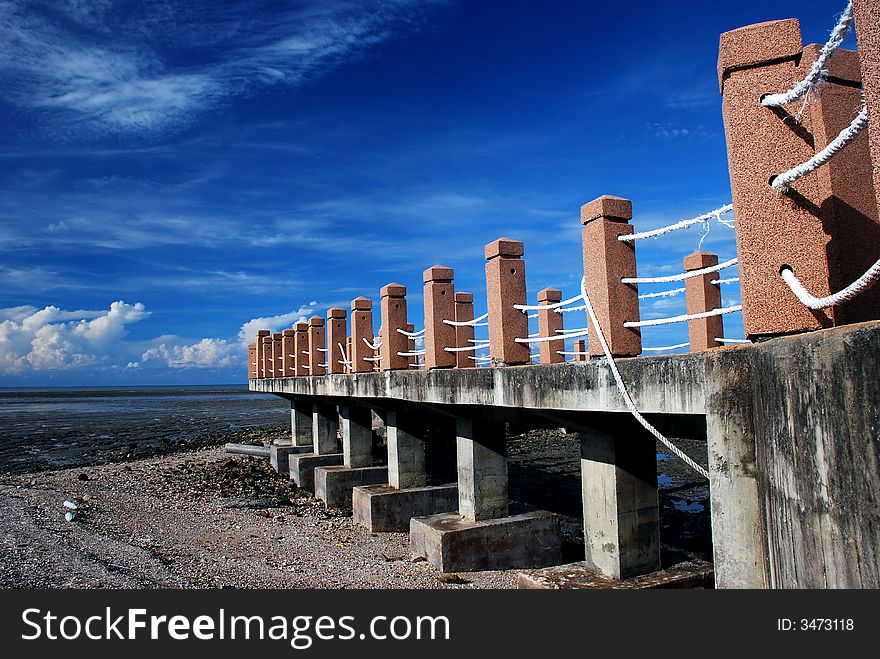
(65, 427)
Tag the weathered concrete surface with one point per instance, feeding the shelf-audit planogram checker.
(574, 576)
(301, 422)
(383, 508)
(481, 457)
(333, 485)
(452, 544)
(279, 454)
(794, 461)
(302, 467)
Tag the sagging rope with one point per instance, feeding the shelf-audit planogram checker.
(545, 307)
(372, 346)
(719, 340)
(682, 318)
(559, 337)
(669, 293)
(680, 276)
(468, 348)
(782, 182)
(683, 224)
(665, 348)
(855, 289)
(469, 323)
(818, 73)
(345, 361)
(574, 353)
(414, 353)
(729, 280)
(412, 335)
(627, 399)
(580, 307)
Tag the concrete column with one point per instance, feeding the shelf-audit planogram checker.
(481, 451)
(325, 425)
(301, 422)
(621, 509)
(252, 360)
(393, 304)
(439, 306)
(288, 356)
(549, 324)
(702, 295)
(335, 337)
(867, 15)
(406, 451)
(825, 227)
(607, 260)
(268, 369)
(301, 345)
(580, 348)
(361, 329)
(506, 286)
(357, 436)
(316, 345)
(464, 312)
(261, 364)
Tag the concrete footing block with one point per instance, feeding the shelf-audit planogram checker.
(583, 576)
(525, 540)
(302, 467)
(279, 455)
(383, 509)
(333, 485)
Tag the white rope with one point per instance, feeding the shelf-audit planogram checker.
(466, 323)
(534, 354)
(538, 307)
(680, 276)
(570, 353)
(818, 73)
(732, 340)
(478, 340)
(531, 315)
(467, 348)
(571, 330)
(683, 224)
(411, 335)
(371, 359)
(855, 289)
(322, 349)
(293, 356)
(684, 317)
(580, 307)
(324, 365)
(305, 352)
(729, 280)
(480, 359)
(669, 293)
(625, 394)
(345, 363)
(782, 182)
(415, 353)
(665, 348)
(560, 337)
(372, 346)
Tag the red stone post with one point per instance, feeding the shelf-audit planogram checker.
(301, 343)
(393, 304)
(607, 260)
(317, 356)
(867, 15)
(268, 370)
(825, 227)
(580, 348)
(335, 337)
(288, 354)
(361, 328)
(549, 324)
(348, 353)
(252, 360)
(702, 295)
(261, 358)
(506, 286)
(439, 306)
(277, 356)
(464, 334)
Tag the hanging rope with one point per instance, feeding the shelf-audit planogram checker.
(412, 335)
(855, 289)
(560, 337)
(678, 277)
(665, 348)
(372, 346)
(670, 293)
(469, 323)
(732, 340)
(545, 307)
(682, 318)
(729, 280)
(683, 224)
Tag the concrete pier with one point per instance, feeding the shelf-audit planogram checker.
(300, 433)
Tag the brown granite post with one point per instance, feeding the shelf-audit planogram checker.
(439, 306)
(393, 304)
(867, 15)
(252, 360)
(377, 352)
(288, 354)
(361, 328)
(261, 358)
(702, 295)
(580, 347)
(268, 370)
(335, 336)
(348, 353)
(506, 286)
(549, 322)
(301, 343)
(825, 228)
(277, 355)
(607, 260)
(316, 341)
(411, 345)
(464, 312)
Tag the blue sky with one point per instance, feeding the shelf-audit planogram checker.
(175, 174)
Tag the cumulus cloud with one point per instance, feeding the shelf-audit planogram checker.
(207, 353)
(276, 323)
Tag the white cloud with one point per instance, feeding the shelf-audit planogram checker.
(207, 353)
(276, 323)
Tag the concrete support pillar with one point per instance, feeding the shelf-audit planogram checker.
(277, 355)
(464, 312)
(621, 510)
(702, 295)
(317, 345)
(268, 370)
(481, 450)
(825, 227)
(361, 335)
(357, 436)
(336, 340)
(506, 286)
(406, 451)
(325, 426)
(301, 422)
(393, 304)
(301, 345)
(607, 260)
(288, 354)
(580, 349)
(550, 324)
(260, 356)
(439, 306)
(252, 360)
(867, 15)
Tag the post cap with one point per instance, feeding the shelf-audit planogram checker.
(263, 332)
(699, 259)
(438, 273)
(301, 326)
(608, 207)
(550, 295)
(267, 340)
(754, 45)
(361, 304)
(288, 332)
(316, 321)
(504, 247)
(393, 290)
(464, 298)
(252, 346)
(276, 336)
(335, 312)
